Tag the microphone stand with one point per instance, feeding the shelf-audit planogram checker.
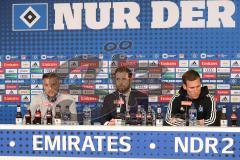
(187, 113)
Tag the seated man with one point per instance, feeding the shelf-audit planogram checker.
(51, 98)
(192, 92)
(132, 97)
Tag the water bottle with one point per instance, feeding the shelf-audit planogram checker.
(87, 115)
(58, 115)
(192, 115)
(19, 117)
(66, 116)
(159, 118)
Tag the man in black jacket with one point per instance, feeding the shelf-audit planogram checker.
(192, 92)
(131, 97)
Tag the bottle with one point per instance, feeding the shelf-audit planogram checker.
(58, 115)
(159, 118)
(118, 119)
(223, 118)
(149, 117)
(19, 118)
(139, 116)
(66, 116)
(234, 117)
(192, 115)
(28, 117)
(144, 116)
(127, 117)
(87, 115)
(38, 116)
(49, 116)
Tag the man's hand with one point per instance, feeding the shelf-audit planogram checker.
(201, 122)
(174, 120)
(111, 122)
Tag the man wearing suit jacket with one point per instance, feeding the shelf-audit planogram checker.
(131, 97)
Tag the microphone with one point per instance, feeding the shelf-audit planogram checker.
(186, 104)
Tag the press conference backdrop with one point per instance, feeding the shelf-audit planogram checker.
(85, 41)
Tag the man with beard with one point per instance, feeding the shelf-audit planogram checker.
(51, 97)
(131, 97)
(191, 93)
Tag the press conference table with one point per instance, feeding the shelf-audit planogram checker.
(118, 142)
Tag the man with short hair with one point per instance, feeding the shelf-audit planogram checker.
(131, 97)
(52, 97)
(192, 92)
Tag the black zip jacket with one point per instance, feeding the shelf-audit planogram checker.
(205, 105)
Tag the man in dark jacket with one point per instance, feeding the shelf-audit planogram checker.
(131, 97)
(191, 92)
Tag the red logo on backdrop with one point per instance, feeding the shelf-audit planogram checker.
(2, 71)
(11, 64)
(155, 70)
(168, 63)
(88, 99)
(216, 98)
(11, 98)
(165, 98)
(209, 76)
(89, 64)
(49, 64)
(130, 63)
(235, 70)
(222, 92)
(167, 86)
(11, 86)
(76, 71)
(209, 63)
(88, 86)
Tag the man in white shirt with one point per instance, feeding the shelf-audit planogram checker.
(51, 98)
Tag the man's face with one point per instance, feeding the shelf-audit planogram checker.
(123, 82)
(193, 88)
(51, 86)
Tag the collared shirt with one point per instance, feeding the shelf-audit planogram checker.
(127, 95)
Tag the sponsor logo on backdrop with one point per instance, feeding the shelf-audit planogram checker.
(88, 92)
(11, 71)
(210, 75)
(101, 86)
(235, 76)
(36, 91)
(153, 98)
(223, 86)
(168, 63)
(209, 63)
(23, 76)
(11, 92)
(25, 98)
(23, 92)
(224, 99)
(23, 70)
(235, 92)
(194, 63)
(209, 70)
(164, 98)
(30, 17)
(225, 63)
(205, 55)
(235, 63)
(225, 92)
(11, 98)
(235, 99)
(88, 99)
(11, 64)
